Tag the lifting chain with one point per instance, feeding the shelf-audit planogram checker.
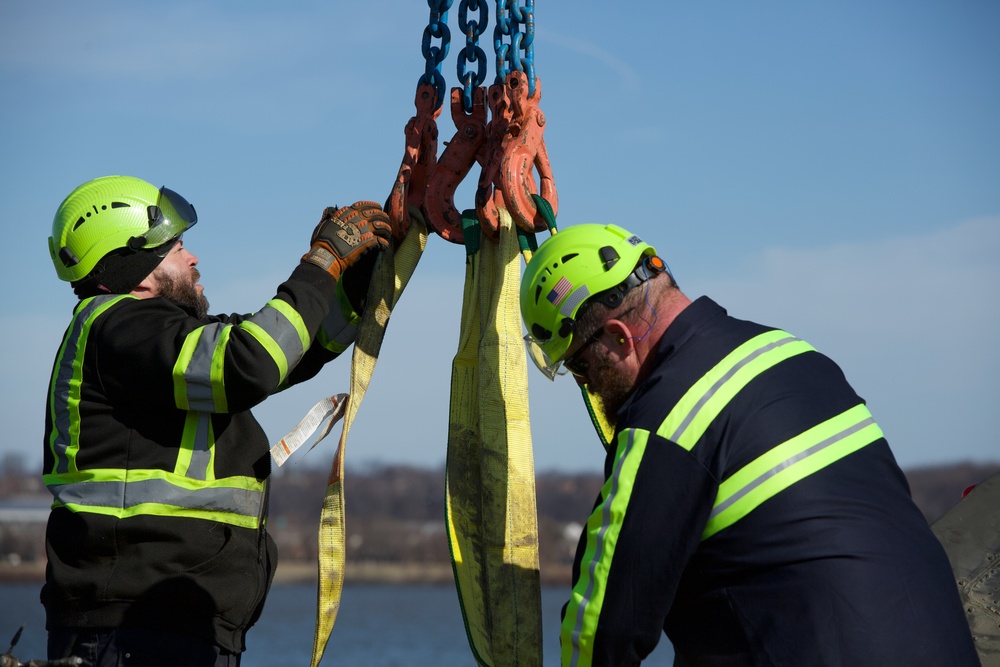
(472, 53)
(437, 28)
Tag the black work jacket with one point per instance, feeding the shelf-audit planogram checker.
(157, 467)
(754, 512)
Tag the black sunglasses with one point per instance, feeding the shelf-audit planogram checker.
(574, 364)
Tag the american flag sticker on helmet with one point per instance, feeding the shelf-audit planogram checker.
(574, 300)
(560, 291)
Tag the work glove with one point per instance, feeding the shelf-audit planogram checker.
(344, 235)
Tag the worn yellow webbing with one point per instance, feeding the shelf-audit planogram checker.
(605, 429)
(490, 482)
(392, 272)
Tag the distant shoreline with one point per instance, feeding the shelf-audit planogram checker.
(298, 572)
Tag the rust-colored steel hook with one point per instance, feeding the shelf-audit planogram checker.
(418, 160)
(488, 194)
(524, 148)
(454, 164)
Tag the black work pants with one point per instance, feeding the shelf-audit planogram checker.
(132, 647)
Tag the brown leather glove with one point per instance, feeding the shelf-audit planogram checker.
(345, 234)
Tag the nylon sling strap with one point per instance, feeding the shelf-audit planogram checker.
(392, 272)
(490, 483)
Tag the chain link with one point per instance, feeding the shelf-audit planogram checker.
(524, 41)
(519, 53)
(472, 53)
(513, 43)
(502, 49)
(437, 28)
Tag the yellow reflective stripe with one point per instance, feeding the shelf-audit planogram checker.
(196, 456)
(269, 344)
(199, 372)
(579, 625)
(703, 402)
(279, 328)
(128, 493)
(294, 318)
(64, 441)
(154, 509)
(340, 327)
(790, 462)
(218, 371)
(180, 367)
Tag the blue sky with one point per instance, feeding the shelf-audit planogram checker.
(829, 168)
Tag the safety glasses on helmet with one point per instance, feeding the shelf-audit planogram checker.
(570, 364)
(537, 354)
(168, 219)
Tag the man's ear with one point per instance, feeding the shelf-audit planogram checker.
(622, 337)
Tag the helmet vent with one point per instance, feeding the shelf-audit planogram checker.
(67, 257)
(566, 258)
(609, 257)
(119, 204)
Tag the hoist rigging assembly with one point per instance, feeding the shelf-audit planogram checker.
(507, 147)
(490, 510)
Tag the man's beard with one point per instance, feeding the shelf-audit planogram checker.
(183, 293)
(608, 383)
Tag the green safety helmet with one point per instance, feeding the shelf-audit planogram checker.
(588, 261)
(114, 213)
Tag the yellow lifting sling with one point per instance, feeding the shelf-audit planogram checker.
(490, 477)
(392, 272)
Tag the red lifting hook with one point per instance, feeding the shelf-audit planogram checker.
(488, 194)
(524, 147)
(454, 164)
(418, 160)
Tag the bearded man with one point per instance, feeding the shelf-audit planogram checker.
(752, 510)
(157, 542)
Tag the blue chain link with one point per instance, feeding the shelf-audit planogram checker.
(472, 53)
(510, 18)
(525, 41)
(437, 28)
(501, 30)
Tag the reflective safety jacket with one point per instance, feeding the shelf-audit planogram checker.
(158, 469)
(753, 511)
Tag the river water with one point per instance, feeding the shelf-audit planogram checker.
(378, 626)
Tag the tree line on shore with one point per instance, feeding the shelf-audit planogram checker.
(395, 513)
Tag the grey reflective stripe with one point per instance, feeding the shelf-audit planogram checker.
(282, 330)
(117, 495)
(722, 380)
(64, 392)
(198, 372)
(768, 474)
(200, 446)
(703, 401)
(277, 327)
(789, 462)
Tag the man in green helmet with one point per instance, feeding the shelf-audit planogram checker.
(157, 546)
(752, 508)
